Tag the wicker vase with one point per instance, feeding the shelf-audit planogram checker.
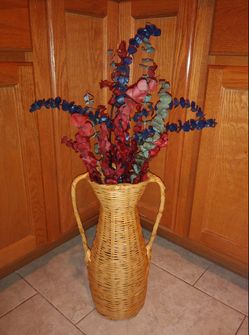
(118, 262)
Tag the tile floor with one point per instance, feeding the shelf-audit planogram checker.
(187, 295)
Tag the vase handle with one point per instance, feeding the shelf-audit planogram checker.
(157, 180)
(77, 216)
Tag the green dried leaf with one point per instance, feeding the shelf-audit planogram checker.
(148, 146)
(156, 137)
(136, 168)
(150, 50)
(164, 84)
(147, 98)
(132, 177)
(149, 140)
(144, 66)
(162, 105)
(147, 60)
(145, 154)
(96, 148)
(163, 113)
(158, 119)
(159, 127)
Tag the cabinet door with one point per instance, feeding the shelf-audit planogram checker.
(22, 212)
(14, 25)
(80, 34)
(219, 215)
(173, 57)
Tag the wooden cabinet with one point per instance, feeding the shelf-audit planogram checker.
(230, 28)
(22, 214)
(219, 214)
(173, 56)
(219, 217)
(78, 42)
(203, 55)
(14, 25)
(41, 55)
(22, 211)
(59, 48)
(210, 213)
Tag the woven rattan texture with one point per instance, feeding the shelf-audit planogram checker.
(118, 263)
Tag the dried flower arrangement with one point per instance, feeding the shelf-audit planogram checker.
(116, 145)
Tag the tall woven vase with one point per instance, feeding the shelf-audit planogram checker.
(118, 262)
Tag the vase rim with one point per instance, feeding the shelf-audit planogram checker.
(121, 185)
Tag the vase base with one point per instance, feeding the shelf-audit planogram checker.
(120, 315)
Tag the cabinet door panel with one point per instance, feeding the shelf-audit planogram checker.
(165, 46)
(14, 25)
(80, 35)
(22, 219)
(230, 28)
(151, 9)
(40, 59)
(173, 56)
(219, 216)
(85, 69)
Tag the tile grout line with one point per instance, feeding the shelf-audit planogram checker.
(200, 277)
(51, 304)
(18, 305)
(240, 325)
(85, 316)
(198, 289)
(172, 274)
(19, 275)
(191, 285)
(235, 309)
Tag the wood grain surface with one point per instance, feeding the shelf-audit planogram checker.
(197, 91)
(219, 217)
(22, 214)
(151, 9)
(230, 28)
(14, 25)
(45, 124)
(50, 48)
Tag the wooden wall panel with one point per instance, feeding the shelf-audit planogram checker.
(14, 25)
(219, 217)
(230, 28)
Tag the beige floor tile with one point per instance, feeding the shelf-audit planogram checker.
(244, 328)
(62, 278)
(172, 308)
(13, 291)
(176, 260)
(225, 286)
(36, 316)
